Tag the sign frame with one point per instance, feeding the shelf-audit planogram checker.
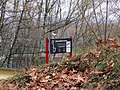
(60, 45)
(48, 45)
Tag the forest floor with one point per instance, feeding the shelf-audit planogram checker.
(92, 70)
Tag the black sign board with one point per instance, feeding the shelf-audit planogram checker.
(63, 45)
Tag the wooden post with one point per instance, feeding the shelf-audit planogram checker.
(47, 52)
(70, 54)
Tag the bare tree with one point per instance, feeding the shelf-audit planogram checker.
(105, 36)
(2, 18)
(15, 38)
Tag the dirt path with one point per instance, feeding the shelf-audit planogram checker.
(6, 72)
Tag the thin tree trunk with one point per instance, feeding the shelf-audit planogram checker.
(93, 2)
(105, 33)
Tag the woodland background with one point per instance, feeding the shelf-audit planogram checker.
(24, 25)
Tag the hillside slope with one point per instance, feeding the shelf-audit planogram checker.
(93, 70)
(97, 69)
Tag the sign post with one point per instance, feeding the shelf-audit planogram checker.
(47, 52)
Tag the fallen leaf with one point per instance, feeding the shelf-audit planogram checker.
(63, 76)
(96, 72)
(65, 71)
(57, 76)
(33, 68)
(79, 78)
(107, 69)
(99, 87)
(73, 88)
